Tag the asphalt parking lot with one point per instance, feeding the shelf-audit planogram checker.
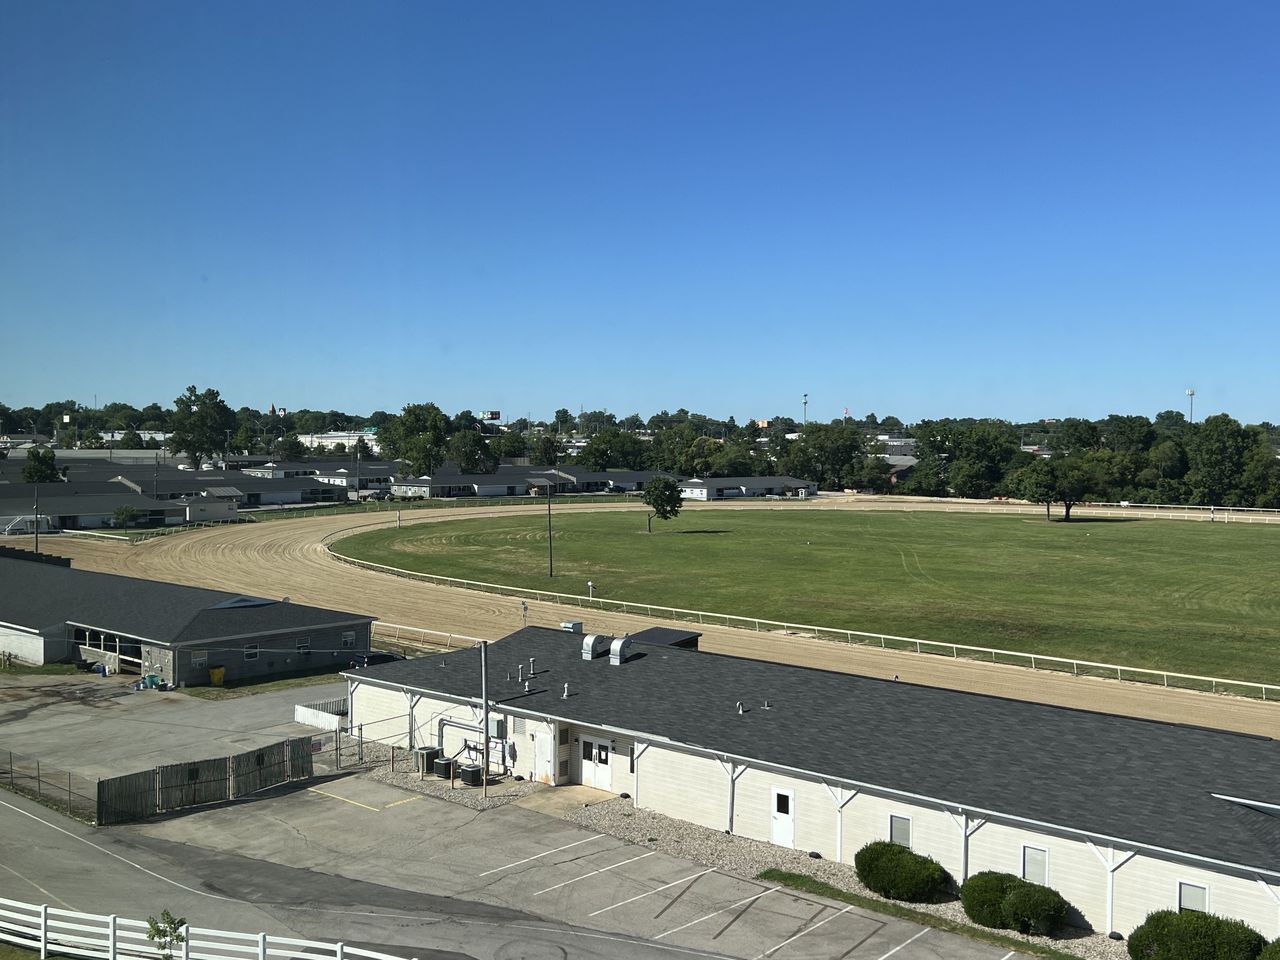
(539, 865)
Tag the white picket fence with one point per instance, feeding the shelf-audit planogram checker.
(885, 641)
(68, 933)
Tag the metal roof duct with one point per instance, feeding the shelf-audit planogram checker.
(595, 645)
(620, 650)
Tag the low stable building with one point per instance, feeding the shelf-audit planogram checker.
(726, 488)
(52, 613)
(1121, 816)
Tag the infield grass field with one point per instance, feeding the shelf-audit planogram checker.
(1188, 597)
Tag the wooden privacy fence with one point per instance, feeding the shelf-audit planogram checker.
(97, 937)
(175, 786)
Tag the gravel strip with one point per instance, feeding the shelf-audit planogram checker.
(376, 767)
(748, 858)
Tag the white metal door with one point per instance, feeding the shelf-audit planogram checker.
(595, 764)
(544, 757)
(784, 817)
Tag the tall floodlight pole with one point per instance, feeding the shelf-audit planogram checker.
(484, 710)
(37, 508)
(806, 410)
(550, 565)
(1191, 399)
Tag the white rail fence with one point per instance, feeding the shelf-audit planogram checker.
(1126, 511)
(401, 632)
(68, 933)
(885, 641)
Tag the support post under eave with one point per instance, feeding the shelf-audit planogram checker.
(641, 749)
(1112, 863)
(734, 772)
(841, 803)
(1275, 898)
(967, 829)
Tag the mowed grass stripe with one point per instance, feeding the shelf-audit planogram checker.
(1187, 597)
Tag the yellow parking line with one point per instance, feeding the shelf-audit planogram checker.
(396, 803)
(354, 803)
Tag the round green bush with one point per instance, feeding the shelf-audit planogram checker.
(1271, 951)
(982, 897)
(1031, 908)
(893, 871)
(1166, 935)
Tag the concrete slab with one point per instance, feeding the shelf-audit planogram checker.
(557, 801)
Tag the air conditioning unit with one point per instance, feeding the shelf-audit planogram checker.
(471, 774)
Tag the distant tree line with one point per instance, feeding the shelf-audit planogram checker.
(1216, 461)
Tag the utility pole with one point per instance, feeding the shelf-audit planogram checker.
(1191, 399)
(806, 411)
(37, 527)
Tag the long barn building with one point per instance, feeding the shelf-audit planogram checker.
(1121, 816)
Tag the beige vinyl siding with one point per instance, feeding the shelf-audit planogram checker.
(933, 833)
(379, 714)
(684, 786)
(1146, 883)
(813, 809)
(1074, 870)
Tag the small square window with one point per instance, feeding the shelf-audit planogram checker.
(782, 803)
(1193, 898)
(251, 651)
(564, 736)
(1035, 865)
(199, 659)
(900, 830)
(349, 638)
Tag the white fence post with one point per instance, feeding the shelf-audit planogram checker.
(262, 946)
(186, 941)
(111, 937)
(44, 931)
(338, 949)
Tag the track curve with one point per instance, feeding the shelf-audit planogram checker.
(289, 558)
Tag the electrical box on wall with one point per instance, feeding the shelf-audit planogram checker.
(498, 727)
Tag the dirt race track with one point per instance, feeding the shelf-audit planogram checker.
(289, 558)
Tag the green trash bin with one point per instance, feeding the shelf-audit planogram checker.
(152, 681)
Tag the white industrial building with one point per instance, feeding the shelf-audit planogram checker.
(1121, 816)
(726, 488)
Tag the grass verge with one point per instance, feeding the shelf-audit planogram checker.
(266, 686)
(806, 884)
(47, 669)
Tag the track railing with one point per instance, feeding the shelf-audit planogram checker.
(885, 641)
(51, 930)
(400, 632)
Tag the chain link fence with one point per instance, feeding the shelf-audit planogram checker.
(71, 793)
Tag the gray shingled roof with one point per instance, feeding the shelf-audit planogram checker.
(40, 596)
(1137, 780)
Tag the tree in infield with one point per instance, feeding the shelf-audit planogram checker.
(1034, 482)
(662, 497)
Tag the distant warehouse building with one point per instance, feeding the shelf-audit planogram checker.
(51, 613)
(725, 488)
(1121, 816)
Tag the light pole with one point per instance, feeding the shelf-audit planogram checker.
(37, 508)
(591, 590)
(550, 564)
(1191, 399)
(805, 422)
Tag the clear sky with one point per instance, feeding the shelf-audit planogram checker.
(1015, 209)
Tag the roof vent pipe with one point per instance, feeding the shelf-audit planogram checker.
(740, 707)
(565, 695)
(526, 686)
(768, 704)
(531, 670)
(520, 673)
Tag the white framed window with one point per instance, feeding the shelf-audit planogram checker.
(1035, 865)
(349, 638)
(251, 651)
(304, 645)
(199, 659)
(1192, 898)
(900, 829)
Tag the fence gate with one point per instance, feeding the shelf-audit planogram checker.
(258, 769)
(301, 763)
(189, 784)
(127, 798)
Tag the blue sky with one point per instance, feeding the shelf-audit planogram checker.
(919, 208)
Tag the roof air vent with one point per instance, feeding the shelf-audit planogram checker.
(620, 650)
(595, 645)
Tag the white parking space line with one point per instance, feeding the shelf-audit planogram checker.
(539, 856)
(905, 942)
(665, 886)
(731, 906)
(802, 933)
(1011, 953)
(595, 872)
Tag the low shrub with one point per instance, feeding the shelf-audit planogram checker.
(1166, 935)
(893, 871)
(1032, 908)
(1271, 951)
(982, 897)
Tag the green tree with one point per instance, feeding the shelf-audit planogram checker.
(41, 467)
(662, 496)
(1128, 434)
(1035, 483)
(244, 440)
(564, 421)
(418, 434)
(509, 445)
(545, 451)
(469, 450)
(1071, 482)
(124, 515)
(872, 475)
(166, 933)
(1216, 453)
(289, 447)
(1260, 478)
(1076, 436)
(200, 424)
(131, 440)
(362, 449)
(611, 447)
